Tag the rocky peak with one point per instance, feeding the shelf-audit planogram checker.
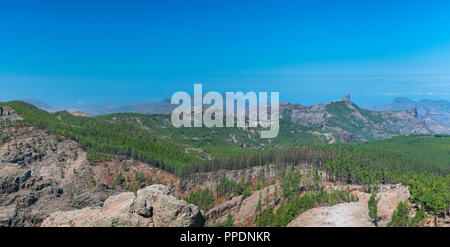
(414, 112)
(349, 121)
(347, 97)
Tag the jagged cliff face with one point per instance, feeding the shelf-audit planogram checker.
(436, 113)
(41, 174)
(353, 124)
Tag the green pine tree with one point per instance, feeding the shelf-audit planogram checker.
(373, 208)
(229, 222)
(400, 216)
(420, 215)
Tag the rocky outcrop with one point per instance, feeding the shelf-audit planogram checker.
(38, 174)
(8, 114)
(247, 211)
(149, 207)
(354, 214)
(354, 124)
(204, 180)
(404, 122)
(7, 215)
(41, 174)
(390, 196)
(220, 211)
(435, 112)
(244, 210)
(93, 198)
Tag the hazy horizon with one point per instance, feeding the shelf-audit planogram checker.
(64, 53)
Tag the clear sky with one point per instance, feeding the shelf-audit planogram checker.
(64, 52)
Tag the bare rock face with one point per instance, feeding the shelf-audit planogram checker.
(244, 210)
(7, 215)
(76, 218)
(247, 211)
(93, 198)
(39, 175)
(167, 211)
(390, 196)
(117, 211)
(343, 118)
(354, 214)
(221, 211)
(7, 113)
(405, 122)
(149, 207)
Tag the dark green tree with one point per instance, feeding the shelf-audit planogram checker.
(373, 208)
(229, 222)
(400, 216)
(418, 217)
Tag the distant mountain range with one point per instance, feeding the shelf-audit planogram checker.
(354, 124)
(334, 122)
(153, 107)
(435, 112)
(350, 121)
(96, 109)
(38, 104)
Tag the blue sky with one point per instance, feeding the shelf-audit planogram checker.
(64, 52)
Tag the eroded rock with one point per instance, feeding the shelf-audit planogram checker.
(151, 206)
(354, 214)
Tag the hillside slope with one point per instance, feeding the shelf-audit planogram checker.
(68, 167)
(435, 112)
(42, 173)
(354, 124)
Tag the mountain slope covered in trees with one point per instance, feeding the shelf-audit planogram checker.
(419, 161)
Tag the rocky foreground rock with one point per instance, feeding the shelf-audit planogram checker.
(149, 207)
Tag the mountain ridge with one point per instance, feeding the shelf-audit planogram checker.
(336, 121)
(435, 112)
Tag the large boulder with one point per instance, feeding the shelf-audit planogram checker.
(166, 210)
(151, 206)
